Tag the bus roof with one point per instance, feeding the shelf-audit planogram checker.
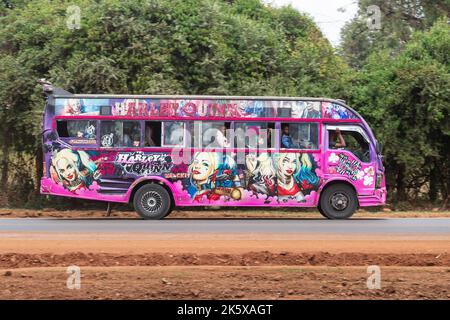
(195, 97)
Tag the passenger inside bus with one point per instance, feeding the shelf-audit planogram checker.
(136, 141)
(153, 134)
(337, 140)
(299, 135)
(149, 137)
(131, 130)
(214, 134)
(351, 141)
(286, 139)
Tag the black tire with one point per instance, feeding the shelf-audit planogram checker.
(152, 202)
(338, 201)
(321, 211)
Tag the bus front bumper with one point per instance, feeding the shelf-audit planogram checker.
(377, 199)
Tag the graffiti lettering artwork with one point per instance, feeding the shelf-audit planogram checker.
(198, 108)
(142, 164)
(82, 141)
(348, 167)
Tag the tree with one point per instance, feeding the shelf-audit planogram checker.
(399, 19)
(406, 101)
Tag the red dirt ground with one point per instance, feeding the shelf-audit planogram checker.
(221, 266)
(226, 283)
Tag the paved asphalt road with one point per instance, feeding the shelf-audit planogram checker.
(291, 226)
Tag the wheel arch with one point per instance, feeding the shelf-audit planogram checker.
(334, 182)
(158, 180)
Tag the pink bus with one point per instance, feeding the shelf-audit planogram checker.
(158, 152)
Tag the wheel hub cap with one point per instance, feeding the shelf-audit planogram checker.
(151, 202)
(339, 201)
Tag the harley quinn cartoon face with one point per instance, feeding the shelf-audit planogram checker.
(73, 169)
(203, 166)
(66, 169)
(73, 106)
(287, 165)
(287, 188)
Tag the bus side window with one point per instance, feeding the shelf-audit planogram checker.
(120, 134)
(299, 135)
(254, 134)
(214, 134)
(173, 133)
(354, 142)
(80, 129)
(152, 134)
(192, 134)
(131, 134)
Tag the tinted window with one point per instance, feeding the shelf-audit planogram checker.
(214, 134)
(253, 134)
(81, 129)
(354, 142)
(173, 133)
(120, 134)
(299, 135)
(152, 134)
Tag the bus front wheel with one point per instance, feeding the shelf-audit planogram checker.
(338, 201)
(152, 201)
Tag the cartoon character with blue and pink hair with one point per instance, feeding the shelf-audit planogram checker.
(295, 176)
(212, 175)
(73, 169)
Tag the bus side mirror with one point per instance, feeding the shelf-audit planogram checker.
(379, 147)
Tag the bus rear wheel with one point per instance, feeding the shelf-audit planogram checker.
(338, 201)
(152, 202)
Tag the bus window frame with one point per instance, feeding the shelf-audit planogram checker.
(322, 123)
(99, 145)
(318, 149)
(163, 145)
(354, 128)
(200, 138)
(276, 132)
(69, 139)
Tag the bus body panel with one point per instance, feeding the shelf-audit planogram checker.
(79, 167)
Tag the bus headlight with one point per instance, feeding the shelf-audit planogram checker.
(379, 180)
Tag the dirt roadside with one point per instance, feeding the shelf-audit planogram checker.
(177, 282)
(215, 213)
(264, 266)
(221, 266)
